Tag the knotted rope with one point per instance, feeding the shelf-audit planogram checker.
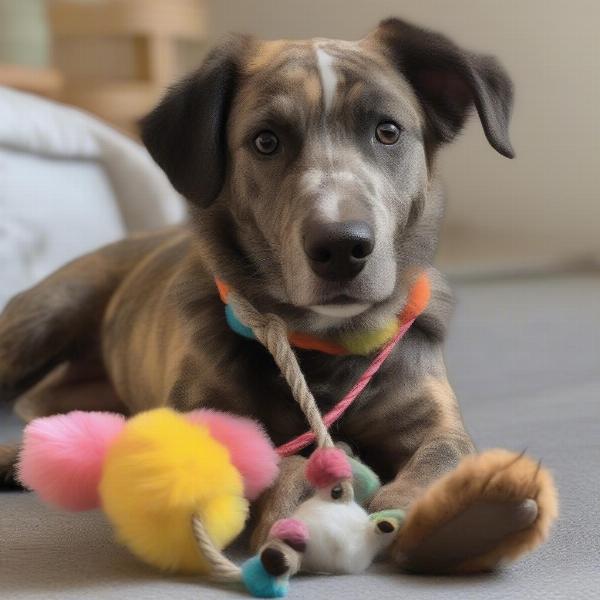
(271, 332)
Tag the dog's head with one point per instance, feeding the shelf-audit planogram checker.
(308, 165)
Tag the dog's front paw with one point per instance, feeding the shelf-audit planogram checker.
(492, 508)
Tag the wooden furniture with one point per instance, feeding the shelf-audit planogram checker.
(44, 81)
(153, 30)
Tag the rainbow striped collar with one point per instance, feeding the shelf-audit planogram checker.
(353, 343)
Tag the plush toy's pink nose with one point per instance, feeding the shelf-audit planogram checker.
(327, 466)
(291, 531)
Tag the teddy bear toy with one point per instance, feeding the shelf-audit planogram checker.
(330, 532)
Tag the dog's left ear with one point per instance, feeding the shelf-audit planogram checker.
(448, 81)
(186, 132)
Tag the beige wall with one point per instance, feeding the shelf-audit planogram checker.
(548, 198)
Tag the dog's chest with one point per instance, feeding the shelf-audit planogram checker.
(267, 396)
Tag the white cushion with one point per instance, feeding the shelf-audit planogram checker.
(51, 210)
(69, 184)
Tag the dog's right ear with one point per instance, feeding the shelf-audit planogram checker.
(185, 133)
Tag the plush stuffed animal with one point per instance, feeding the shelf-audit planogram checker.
(330, 532)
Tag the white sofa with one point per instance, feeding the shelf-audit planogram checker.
(68, 184)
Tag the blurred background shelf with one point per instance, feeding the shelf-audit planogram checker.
(44, 81)
(122, 104)
(119, 55)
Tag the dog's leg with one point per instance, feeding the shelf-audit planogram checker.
(49, 335)
(280, 557)
(279, 502)
(73, 385)
(58, 317)
(490, 508)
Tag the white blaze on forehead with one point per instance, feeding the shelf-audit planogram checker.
(311, 184)
(327, 75)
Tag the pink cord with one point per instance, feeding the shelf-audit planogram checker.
(340, 408)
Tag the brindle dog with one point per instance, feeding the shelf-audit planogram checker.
(309, 168)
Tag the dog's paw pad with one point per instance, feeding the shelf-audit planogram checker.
(474, 532)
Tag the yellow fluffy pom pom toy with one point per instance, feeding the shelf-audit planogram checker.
(160, 472)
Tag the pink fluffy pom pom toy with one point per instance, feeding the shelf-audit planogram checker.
(62, 457)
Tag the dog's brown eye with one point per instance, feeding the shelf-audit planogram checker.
(266, 142)
(387, 133)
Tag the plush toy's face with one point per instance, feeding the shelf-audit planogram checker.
(331, 532)
(343, 538)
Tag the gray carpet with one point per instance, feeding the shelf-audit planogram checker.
(524, 357)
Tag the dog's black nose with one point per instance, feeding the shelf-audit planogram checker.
(338, 251)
